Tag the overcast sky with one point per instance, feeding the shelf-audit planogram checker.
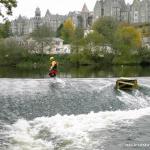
(27, 7)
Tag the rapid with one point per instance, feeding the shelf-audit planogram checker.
(73, 114)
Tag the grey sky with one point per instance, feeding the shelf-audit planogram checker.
(27, 7)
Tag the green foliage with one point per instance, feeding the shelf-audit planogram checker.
(11, 53)
(122, 40)
(80, 25)
(59, 30)
(144, 56)
(127, 42)
(87, 50)
(77, 44)
(67, 31)
(76, 48)
(61, 58)
(42, 32)
(43, 35)
(35, 61)
(94, 38)
(5, 30)
(144, 29)
(79, 33)
(106, 27)
(126, 58)
(80, 58)
(94, 41)
(128, 37)
(8, 4)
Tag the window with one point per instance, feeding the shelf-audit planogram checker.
(57, 42)
(57, 49)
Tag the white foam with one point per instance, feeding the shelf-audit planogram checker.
(47, 133)
(136, 100)
(58, 81)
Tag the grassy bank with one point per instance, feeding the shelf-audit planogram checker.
(37, 61)
(41, 61)
(12, 54)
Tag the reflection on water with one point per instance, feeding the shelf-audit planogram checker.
(80, 72)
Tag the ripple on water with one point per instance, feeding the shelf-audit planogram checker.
(89, 131)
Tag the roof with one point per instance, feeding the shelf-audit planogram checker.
(85, 9)
(58, 39)
(48, 14)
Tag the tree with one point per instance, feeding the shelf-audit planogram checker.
(94, 38)
(6, 7)
(11, 52)
(42, 35)
(127, 42)
(94, 43)
(106, 26)
(68, 31)
(79, 33)
(87, 50)
(76, 51)
(42, 32)
(5, 30)
(127, 37)
(59, 30)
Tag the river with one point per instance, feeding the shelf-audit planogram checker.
(79, 110)
(77, 72)
(73, 114)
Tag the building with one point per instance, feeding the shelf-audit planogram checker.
(24, 26)
(114, 8)
(137, 12)
(59, 48)
(140, 11)
(83, 18)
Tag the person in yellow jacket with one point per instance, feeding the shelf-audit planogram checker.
(53, 67)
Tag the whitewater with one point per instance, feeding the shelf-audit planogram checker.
(73, 114)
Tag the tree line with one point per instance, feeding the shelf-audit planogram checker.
(108, 41)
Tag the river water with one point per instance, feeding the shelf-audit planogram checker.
(77, 72)
(73, 114)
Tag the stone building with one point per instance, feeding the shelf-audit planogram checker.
(83, 18)
(24, 26)
(140, 11)
(137, 12)
(114, 8)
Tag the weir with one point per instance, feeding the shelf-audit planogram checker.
(69, 113)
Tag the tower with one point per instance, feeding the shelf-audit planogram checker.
(37, 12)
(48, 14)
(135, 11)
(37, 17)
(98, 9)
(85, 15)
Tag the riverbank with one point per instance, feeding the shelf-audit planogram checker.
(66, 71)
(38, 61)
(34, 61)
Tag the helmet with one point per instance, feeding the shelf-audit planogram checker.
(51, 58)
